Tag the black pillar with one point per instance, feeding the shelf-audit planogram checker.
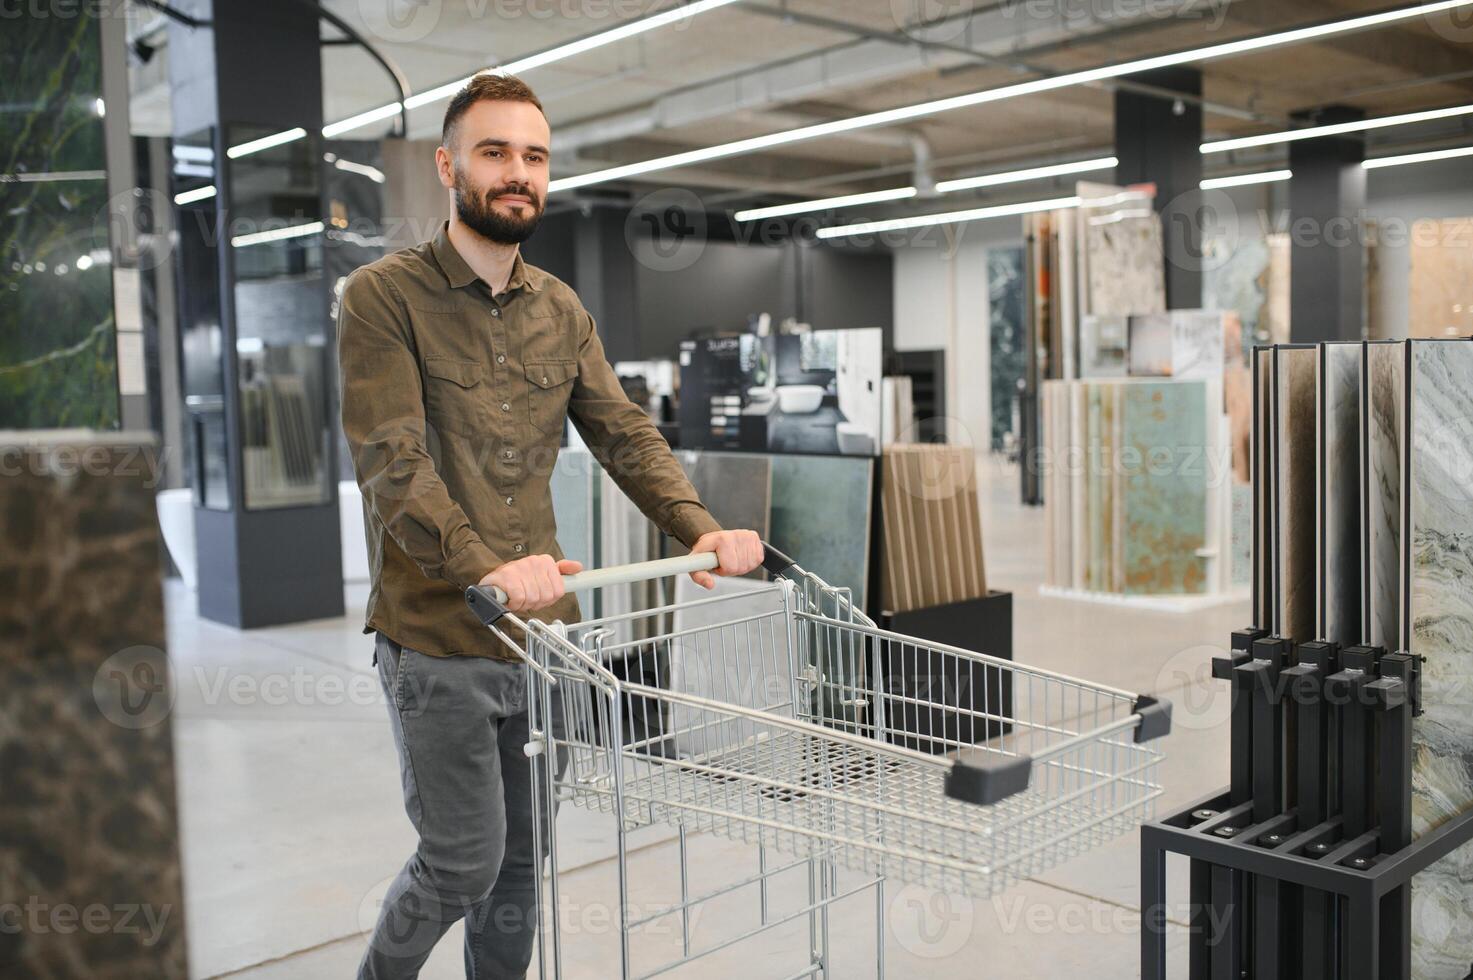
(1327, 201)
(1157, 140)
(256, 332)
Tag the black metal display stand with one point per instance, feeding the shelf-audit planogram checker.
(1301, 868)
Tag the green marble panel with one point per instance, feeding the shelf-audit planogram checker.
(58, 348)
(821, 517)
(1164, 484)
(1438, 585)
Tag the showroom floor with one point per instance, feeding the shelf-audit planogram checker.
(292, 822)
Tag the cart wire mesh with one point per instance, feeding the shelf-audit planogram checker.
(784, 718)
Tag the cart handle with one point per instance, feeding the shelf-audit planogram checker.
(489, 602)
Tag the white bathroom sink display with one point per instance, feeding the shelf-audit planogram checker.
(799, 399)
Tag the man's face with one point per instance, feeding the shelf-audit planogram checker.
(497, 169)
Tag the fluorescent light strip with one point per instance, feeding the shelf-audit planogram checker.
(891, 116)
(277, 234)
(947, 217)
(1427, 157)
(1032, 173)
(45, 177)
(275, 139)
(198, 194)
(562, 51)
(1240, 180)
(823, 204)
(1358, 126)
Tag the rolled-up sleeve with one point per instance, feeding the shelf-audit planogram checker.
(384, 423)
(627, 445)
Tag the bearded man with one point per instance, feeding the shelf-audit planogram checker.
(461, 365)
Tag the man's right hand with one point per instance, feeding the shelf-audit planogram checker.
(531, 583)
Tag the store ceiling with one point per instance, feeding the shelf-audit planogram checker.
(762, 66)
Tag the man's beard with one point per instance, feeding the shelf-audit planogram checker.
(474, 209)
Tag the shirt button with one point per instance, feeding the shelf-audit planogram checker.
(500, 358)
(509, 500)
(516, 548)
(496, 311)
(544, 379)
(508, 454)
(505, 407)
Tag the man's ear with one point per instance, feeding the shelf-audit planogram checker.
(444, 167)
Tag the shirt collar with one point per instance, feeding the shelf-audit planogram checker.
(458, 273)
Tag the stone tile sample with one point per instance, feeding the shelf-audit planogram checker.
(1164, 485)
(735, 487)
(1341, 570)
(1294, 433)
(1385, 430)
(1124, 252)
(931, 527)
(1264, 601)
(1438, 554)
(87, 810)
(1103, 343)
(821, 517)
(575, 487)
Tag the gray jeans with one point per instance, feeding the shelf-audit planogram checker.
(459, 725)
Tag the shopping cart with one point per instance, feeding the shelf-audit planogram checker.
(784, 718)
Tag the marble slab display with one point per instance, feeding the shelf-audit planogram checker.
(575, 490)
(1078, 478)
(1242, 535)
(1382, 506)
(821, 517)
(1235, 277)
(1294, 453)
(1341, 571)
(1007, 335)
(1150, 348)
(1094, 495)
(1441, 287)
(1178, 344)
(1103, 342)
(1124, 252)
(931, 527)
(87, 781)
(1164, 484)
(1438, 590)
(1264, 548)
(735, 487)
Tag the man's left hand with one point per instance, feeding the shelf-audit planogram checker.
(737, 553)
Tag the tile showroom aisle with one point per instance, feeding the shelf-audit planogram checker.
(292, 822)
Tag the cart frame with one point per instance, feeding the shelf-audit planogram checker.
(822, 737)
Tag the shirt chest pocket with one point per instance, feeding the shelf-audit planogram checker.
(455, 394)
(549, 385)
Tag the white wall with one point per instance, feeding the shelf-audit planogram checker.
(941, 302)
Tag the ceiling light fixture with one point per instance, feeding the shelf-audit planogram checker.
(903, 113)
(824, 203)
(1427, 157)
(1241, 180)
(1335, 129)
(947, 217)
(1031, 173)
(558, 53)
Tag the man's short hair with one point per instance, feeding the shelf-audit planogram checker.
(485, 87)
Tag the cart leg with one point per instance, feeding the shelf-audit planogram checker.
(684, 895)
(1153, 912)
(1227, 943)
(880, 929)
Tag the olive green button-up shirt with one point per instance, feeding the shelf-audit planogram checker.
(453, 404)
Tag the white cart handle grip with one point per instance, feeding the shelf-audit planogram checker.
(489, 603)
